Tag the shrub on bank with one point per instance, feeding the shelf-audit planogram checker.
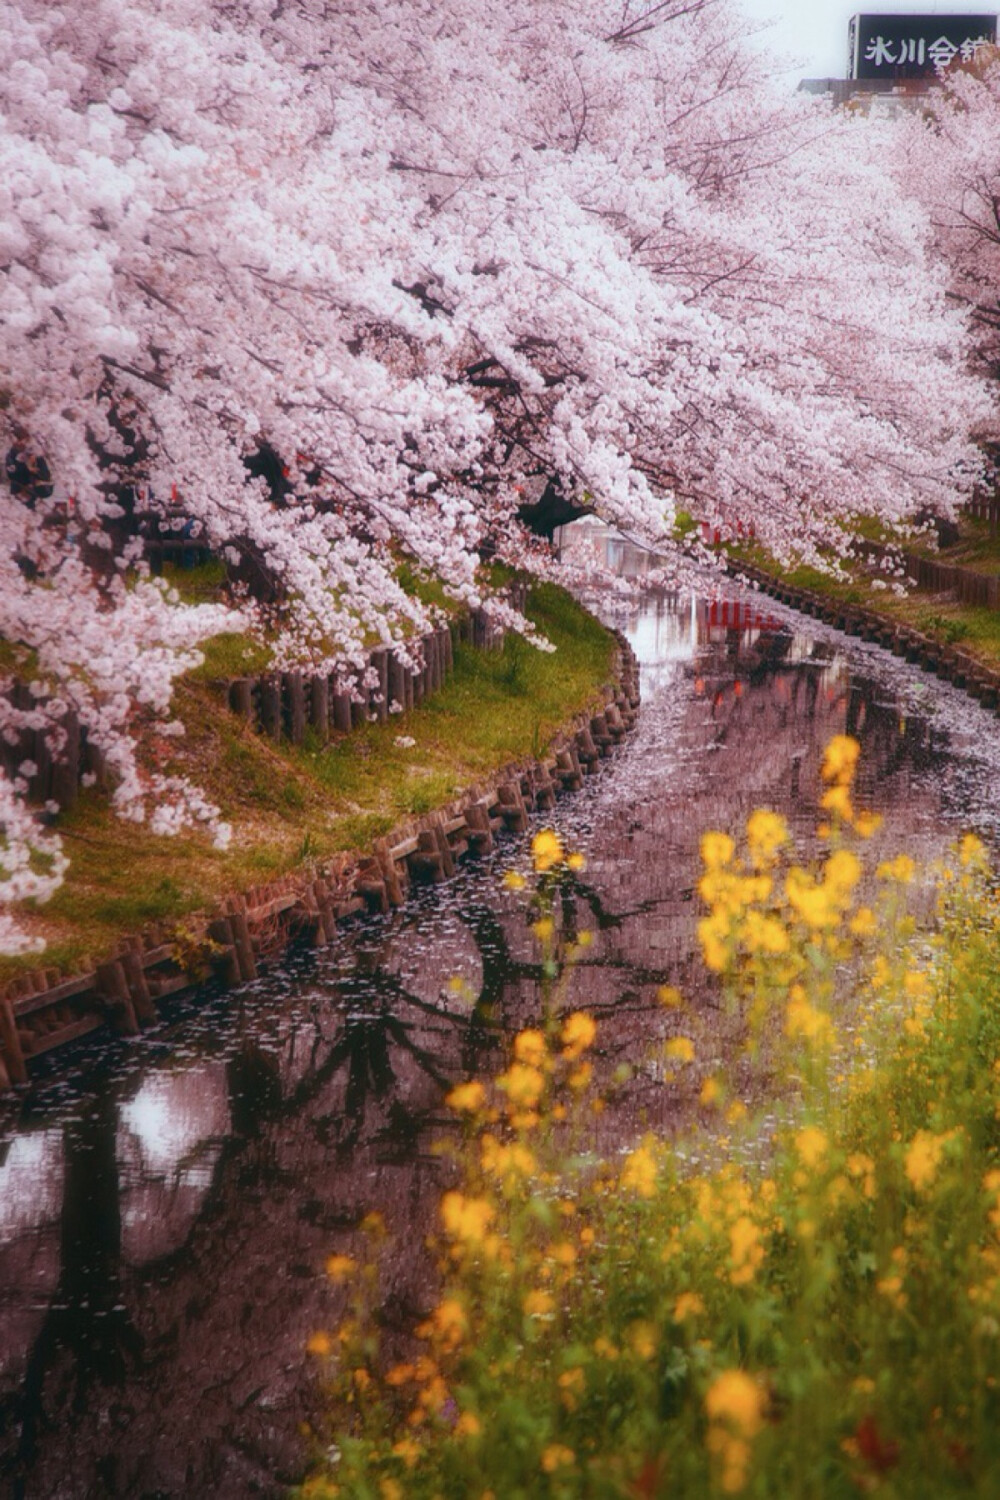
(814, 1310)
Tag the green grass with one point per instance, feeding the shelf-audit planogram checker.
(975, 627)
(290, 806)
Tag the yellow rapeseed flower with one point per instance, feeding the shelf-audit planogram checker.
(523, 1085)
(466, 1218)
(642, 1339)
(713, 944)
(466, 1098)
(810, 902)
(340, 1267)
(572, 1386)
(735, 1398)
(319, 1344)
(711, 1093)
(408, 1450)
(576, 862)
(841, 874)
(556, 1456)
(506, 1160)
(580, 1077)
(538, 1303)
(972, 853)
(811, 1145)
(923, 1157)
(840, 759)
(679, 1049)
(864, 922)
(578, 1033)
(450, 1322)
(837, 799)
(514, 881)
(468, 1425)
(902, 869)
(530, 1048)
(688, 1305)
(546, 850)
(862, 1166)
(766, 833)
(763, 934)
(717, 850)
(745, 1250)
(802, 1019)
(639, 1172)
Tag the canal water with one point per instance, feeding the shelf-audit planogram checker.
(167, 1203)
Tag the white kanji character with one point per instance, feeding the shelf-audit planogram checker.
(970, 47)
(941, 52)
(879, 52)
(911, 51)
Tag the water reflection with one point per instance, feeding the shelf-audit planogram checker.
(166, 1211)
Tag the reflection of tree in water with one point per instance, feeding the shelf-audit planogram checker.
(87, 1340)
(192, 1343)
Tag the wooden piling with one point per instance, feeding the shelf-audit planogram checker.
(342, 712)
(397, 675)
(228, 965)
(241, 698)
(138, 987)
(380, 697)
(319, 706)
(270, 705)
(10, 1040)
(295, 706)
(113, 990)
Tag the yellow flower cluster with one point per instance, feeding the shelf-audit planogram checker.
(466, 1220)
(734, 1405)
(639, 1173)
(923, 1157)
(546, 851)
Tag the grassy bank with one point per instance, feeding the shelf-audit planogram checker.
(803, 1304)
(941, 616)
(291, 806)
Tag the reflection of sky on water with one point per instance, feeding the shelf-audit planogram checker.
(30, 1181)
(168, 1120)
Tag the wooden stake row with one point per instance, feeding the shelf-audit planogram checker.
(42, 1010)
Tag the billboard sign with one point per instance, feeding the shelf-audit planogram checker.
(897, 47)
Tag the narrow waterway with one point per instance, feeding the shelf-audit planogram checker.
(167, 1204)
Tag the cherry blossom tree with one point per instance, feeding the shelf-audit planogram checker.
(335, 285)
(947, 158)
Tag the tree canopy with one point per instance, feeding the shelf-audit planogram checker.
(334, 286)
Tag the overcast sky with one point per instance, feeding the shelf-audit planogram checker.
(813, 33)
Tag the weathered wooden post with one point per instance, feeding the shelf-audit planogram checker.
(319, 706)
(241, 698)
(380, 697)
(342, 712)
(10, 1040)
(295, 697)
(270, 705)
(397, 675)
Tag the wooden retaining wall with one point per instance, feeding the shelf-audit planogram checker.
(278, 704)
(42, 1010)
(936, 577)
(946, 661)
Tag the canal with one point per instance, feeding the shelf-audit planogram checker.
(167, 1203)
